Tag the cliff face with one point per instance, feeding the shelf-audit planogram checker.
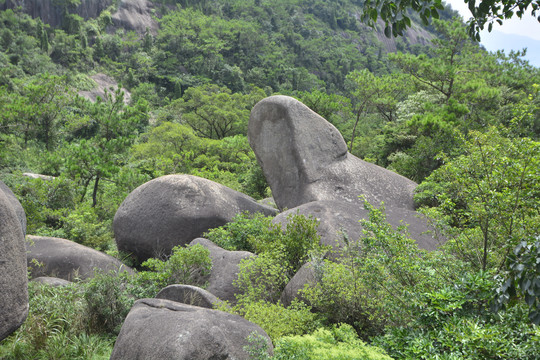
(52, 14)
(133, 15)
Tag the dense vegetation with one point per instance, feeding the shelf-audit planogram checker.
(462, 122)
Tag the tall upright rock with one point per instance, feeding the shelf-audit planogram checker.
(304, 158)
(13, 277)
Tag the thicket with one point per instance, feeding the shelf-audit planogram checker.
(462, 122)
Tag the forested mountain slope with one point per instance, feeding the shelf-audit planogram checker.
(432, 106)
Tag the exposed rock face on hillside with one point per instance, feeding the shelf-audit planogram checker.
(13, 277)
(51, 14)
(133, 15)
(104, 84)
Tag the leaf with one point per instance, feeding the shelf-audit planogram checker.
(388, 31)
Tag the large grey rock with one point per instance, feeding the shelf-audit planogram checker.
(224, 269)
(19, 210)
(337, 218)
(190, 295)
(136, 15)
(173, 210)
(304, 158)
(163, 329)
(305, 275)
(50, 11)
(65, 259)
(13, 277)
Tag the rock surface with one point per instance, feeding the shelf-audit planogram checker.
(304, 158)
(163, 329)
(135, 15)
(104, 84)
(189, 295)
(10, 196)
(224, 269)
(305, 275)
(338, 217)
(51, 14)
(66, 259)
(13, 277)
(173, 210)
(51, 281)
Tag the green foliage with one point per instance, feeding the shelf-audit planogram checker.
(490, 195)
(523, 278)
(56, 328)
(454, 322)
(188, 265)
(107, 302)
(336, 343)
(256, 233)
(375, 280)
(275, 319)
(244, 231)
(263, 277)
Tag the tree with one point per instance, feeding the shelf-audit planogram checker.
(110, 128)
(489, 195)
(215, 112)
(397, 19)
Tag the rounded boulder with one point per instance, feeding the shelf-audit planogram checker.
(173, 210)
(65, 259)
(162, 329)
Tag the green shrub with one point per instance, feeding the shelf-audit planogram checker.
(376, 279)
(337, 343)
(262, 277)
(455, 323)
(188, 265)
(244, 232)
(56, 328)
(108, 302)
(277, 320)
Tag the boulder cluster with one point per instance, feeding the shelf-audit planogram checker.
(310, 172)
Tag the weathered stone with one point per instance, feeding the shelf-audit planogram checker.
(163, 329)
(13, 277)
(135, 15)
(51, 281)
(19, 210)
(173, 210)
(65, 259)
(305, 275)
(190, 295)
(50, 11)
(339, 217)
(304, 158)
(224, 269)
(105, 86)
(39, 176)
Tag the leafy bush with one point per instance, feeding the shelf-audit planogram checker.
(377, 278)
(256, 233)
(275, 319)
(262, 277)
(108, 302)
(455, 323)
(56, 328)
(336, 343)
(244, 232)
(187, 265)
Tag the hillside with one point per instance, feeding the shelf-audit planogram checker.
(158, 133)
